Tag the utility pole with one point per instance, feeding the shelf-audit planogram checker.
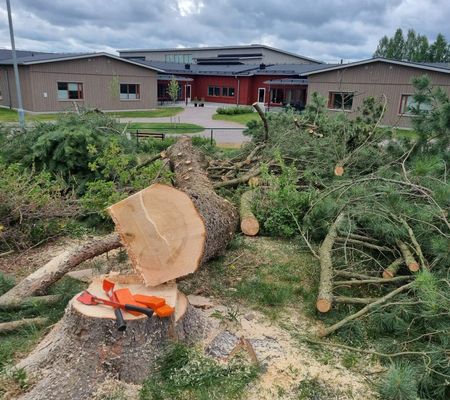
(16, 69)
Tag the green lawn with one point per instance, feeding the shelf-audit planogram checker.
(404, 133)
(7, 115)
(239, 118)
(166, 127)
(160, 112)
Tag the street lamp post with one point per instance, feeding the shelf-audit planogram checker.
(16, 69)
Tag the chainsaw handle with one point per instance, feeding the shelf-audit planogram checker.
(147, 311)
(120, 322)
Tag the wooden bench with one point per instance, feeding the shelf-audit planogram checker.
(148, 134)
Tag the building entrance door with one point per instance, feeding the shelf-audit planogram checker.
(261, 95)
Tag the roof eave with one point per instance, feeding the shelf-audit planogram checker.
(378, 59)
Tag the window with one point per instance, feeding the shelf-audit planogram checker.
(213, 91)
(129, 91)
(407, 104)
(179, 58)
(340, 100)
(276, 95)
(231, 91)
(225, 91)
(70, 91)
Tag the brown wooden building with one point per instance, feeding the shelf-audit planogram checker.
(346, 86)
(54, 82)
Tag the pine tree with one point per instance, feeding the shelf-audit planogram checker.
(439, 50)
(415, 47)
(382, 48)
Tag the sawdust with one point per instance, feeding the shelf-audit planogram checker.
(285, 361)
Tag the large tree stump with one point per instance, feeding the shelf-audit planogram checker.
(85, 347)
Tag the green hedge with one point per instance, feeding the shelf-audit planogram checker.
(234, 110)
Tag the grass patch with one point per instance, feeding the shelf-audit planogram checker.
(18, 343)
(267, 274)
(7, 115)
(184, 373)
(166, 127)
(398, 133)
(242, 119)
(159, 113)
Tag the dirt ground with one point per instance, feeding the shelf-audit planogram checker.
(288, 364)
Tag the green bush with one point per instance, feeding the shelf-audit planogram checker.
(235, 110)
(33, 207)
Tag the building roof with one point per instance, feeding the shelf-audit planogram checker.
(233, 69)
(199, 69)
(286, 82)
(437, 67)
(42, 58)
(206, 48)
(289, 69)
(6, 54)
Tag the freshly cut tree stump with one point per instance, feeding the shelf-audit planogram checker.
(325, 297)
(169, 232)
(249, 223)
(85, 347)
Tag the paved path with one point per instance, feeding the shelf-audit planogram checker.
(203, 116)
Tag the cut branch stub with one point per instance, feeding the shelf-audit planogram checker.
(249, 223)
(410, 261)
(392, 269)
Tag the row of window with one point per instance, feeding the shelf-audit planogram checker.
(220, 91)
(74, 91)
(344, 101)
(179, 58)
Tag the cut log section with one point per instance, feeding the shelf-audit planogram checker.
(410, 261)
(325, 297)
(249, 223)
(392, 269)
(170, 232)
(85, 347)
(6, 327)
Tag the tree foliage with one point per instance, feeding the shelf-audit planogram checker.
(414, 47)
(173, 89)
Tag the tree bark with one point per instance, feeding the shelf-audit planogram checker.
(249, 223)
(393, 268)
(410, 261)
(263, 119)
(41, 279)
(85, 347)
(22, 323)
(325, 297)
(218, 214)
(31, 301)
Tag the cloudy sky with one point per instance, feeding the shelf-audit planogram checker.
(325, 30)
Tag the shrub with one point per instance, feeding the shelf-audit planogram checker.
(33, 206)
(234, 110)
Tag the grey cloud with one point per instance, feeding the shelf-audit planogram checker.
(327, 30)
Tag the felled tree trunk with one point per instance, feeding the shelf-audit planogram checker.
(249, 223)
(325, 297)
(85, 347)
(41, 279)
